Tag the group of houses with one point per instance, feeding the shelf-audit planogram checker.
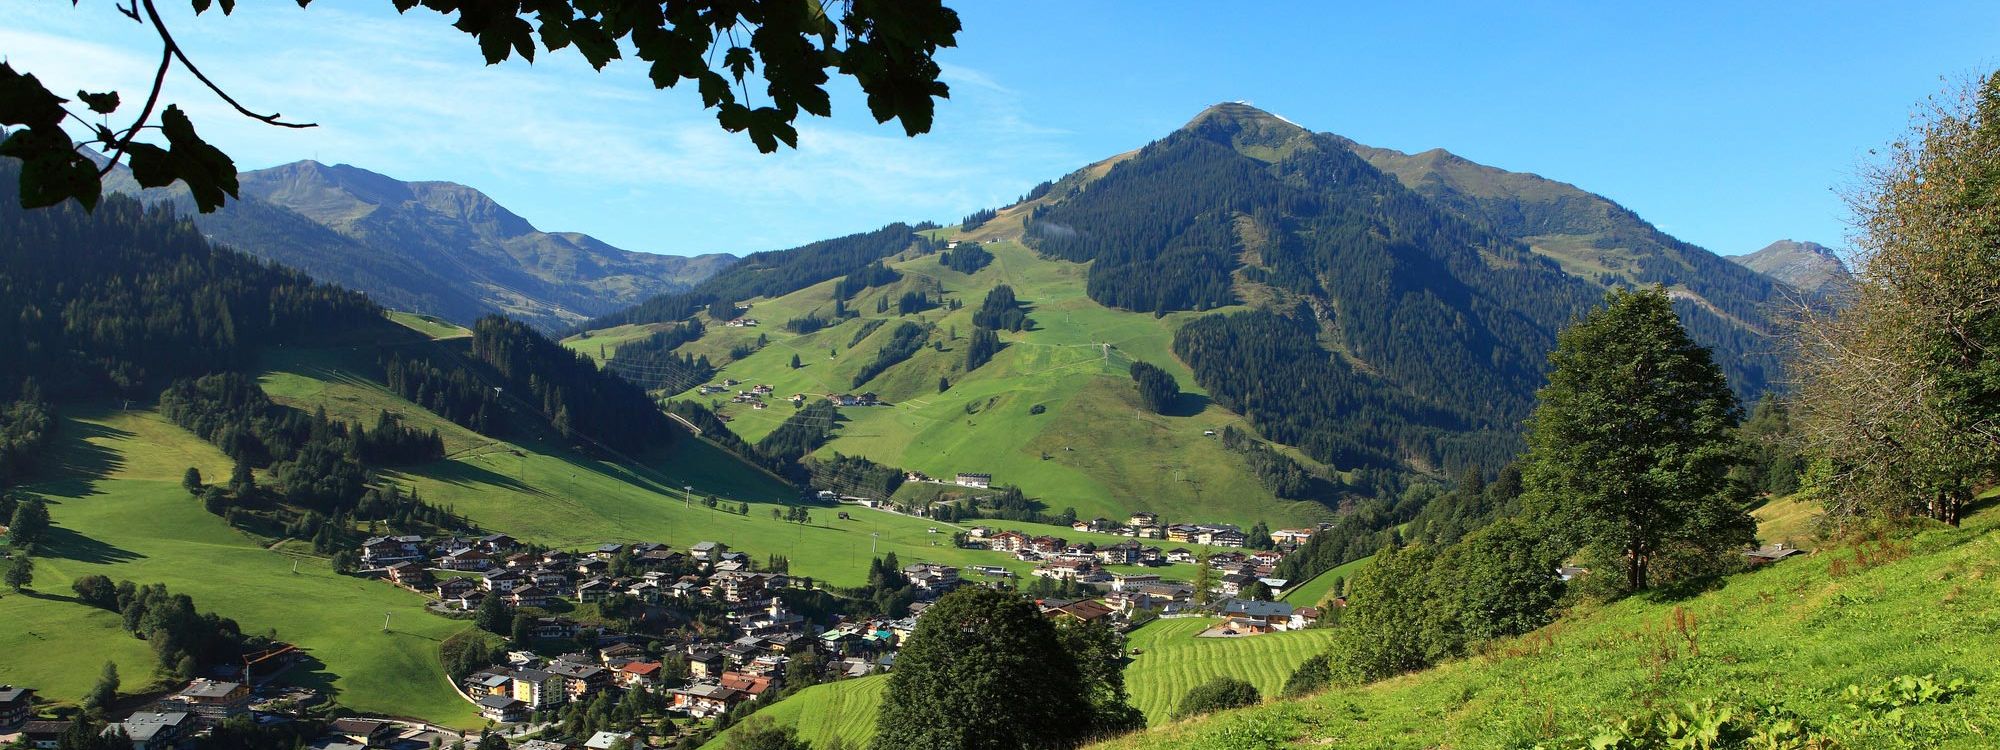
(750, 662)
(972, 479)
(855, 399)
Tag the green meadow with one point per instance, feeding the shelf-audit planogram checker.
(1315, 589)
(1175, 661)
(842, 711)
(119, 511)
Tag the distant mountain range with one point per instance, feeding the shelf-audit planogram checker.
(1810, 267)
(431, 247)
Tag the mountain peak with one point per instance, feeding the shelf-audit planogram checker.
(1249, 130)
(1808, 266)
(1795, 246)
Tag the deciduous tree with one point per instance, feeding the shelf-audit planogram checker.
(1898, 402)
(1633, 438)
(20, 572)
(986, 671)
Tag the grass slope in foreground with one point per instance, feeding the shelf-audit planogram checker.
(843, 710)
(1174, 661)
(1798, 632)
(121, 512)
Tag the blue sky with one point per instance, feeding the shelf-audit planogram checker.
(1729, 126)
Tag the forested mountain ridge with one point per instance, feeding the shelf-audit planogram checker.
(437, 248)
(1809, 267)
(1606, 244)
(1372, 313)
(141, 300)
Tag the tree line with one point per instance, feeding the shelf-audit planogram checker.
(776, 273)
(447, 390)
(872, 275)
(316, 461)
(904, 340)
(567, 389)
(1157, 389)
(140, 298)
(652, 363)
(183, 639)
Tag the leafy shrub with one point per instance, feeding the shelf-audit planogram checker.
(1312, 675)
(1218, 694)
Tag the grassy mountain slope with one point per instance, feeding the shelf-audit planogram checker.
(1809, 267)
(1074, 363)
(1797, 634)
(433, 247)
(119, 511)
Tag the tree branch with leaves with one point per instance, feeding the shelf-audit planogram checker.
(793, 47)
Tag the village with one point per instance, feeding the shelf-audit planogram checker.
(691, 640)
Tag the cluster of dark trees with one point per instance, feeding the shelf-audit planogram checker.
(777, 273)
(182, 638)
(904, 340)
(1366, 528)
(1271, 369)
(317, 461)
(867, 327)
(117, 302)
(445, 389)
(868, 276)
(968, 257)
(981, 348)
(807, 324)
(724, 310)
(566, 389)
(1773, 464)
(977, 219)
(1157, 389)
(801, 433)
(1470, 504)
(1002, 311)
(854, 475)
(1278, 473)
(912, 302)
(27, 429)
(652, 364)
